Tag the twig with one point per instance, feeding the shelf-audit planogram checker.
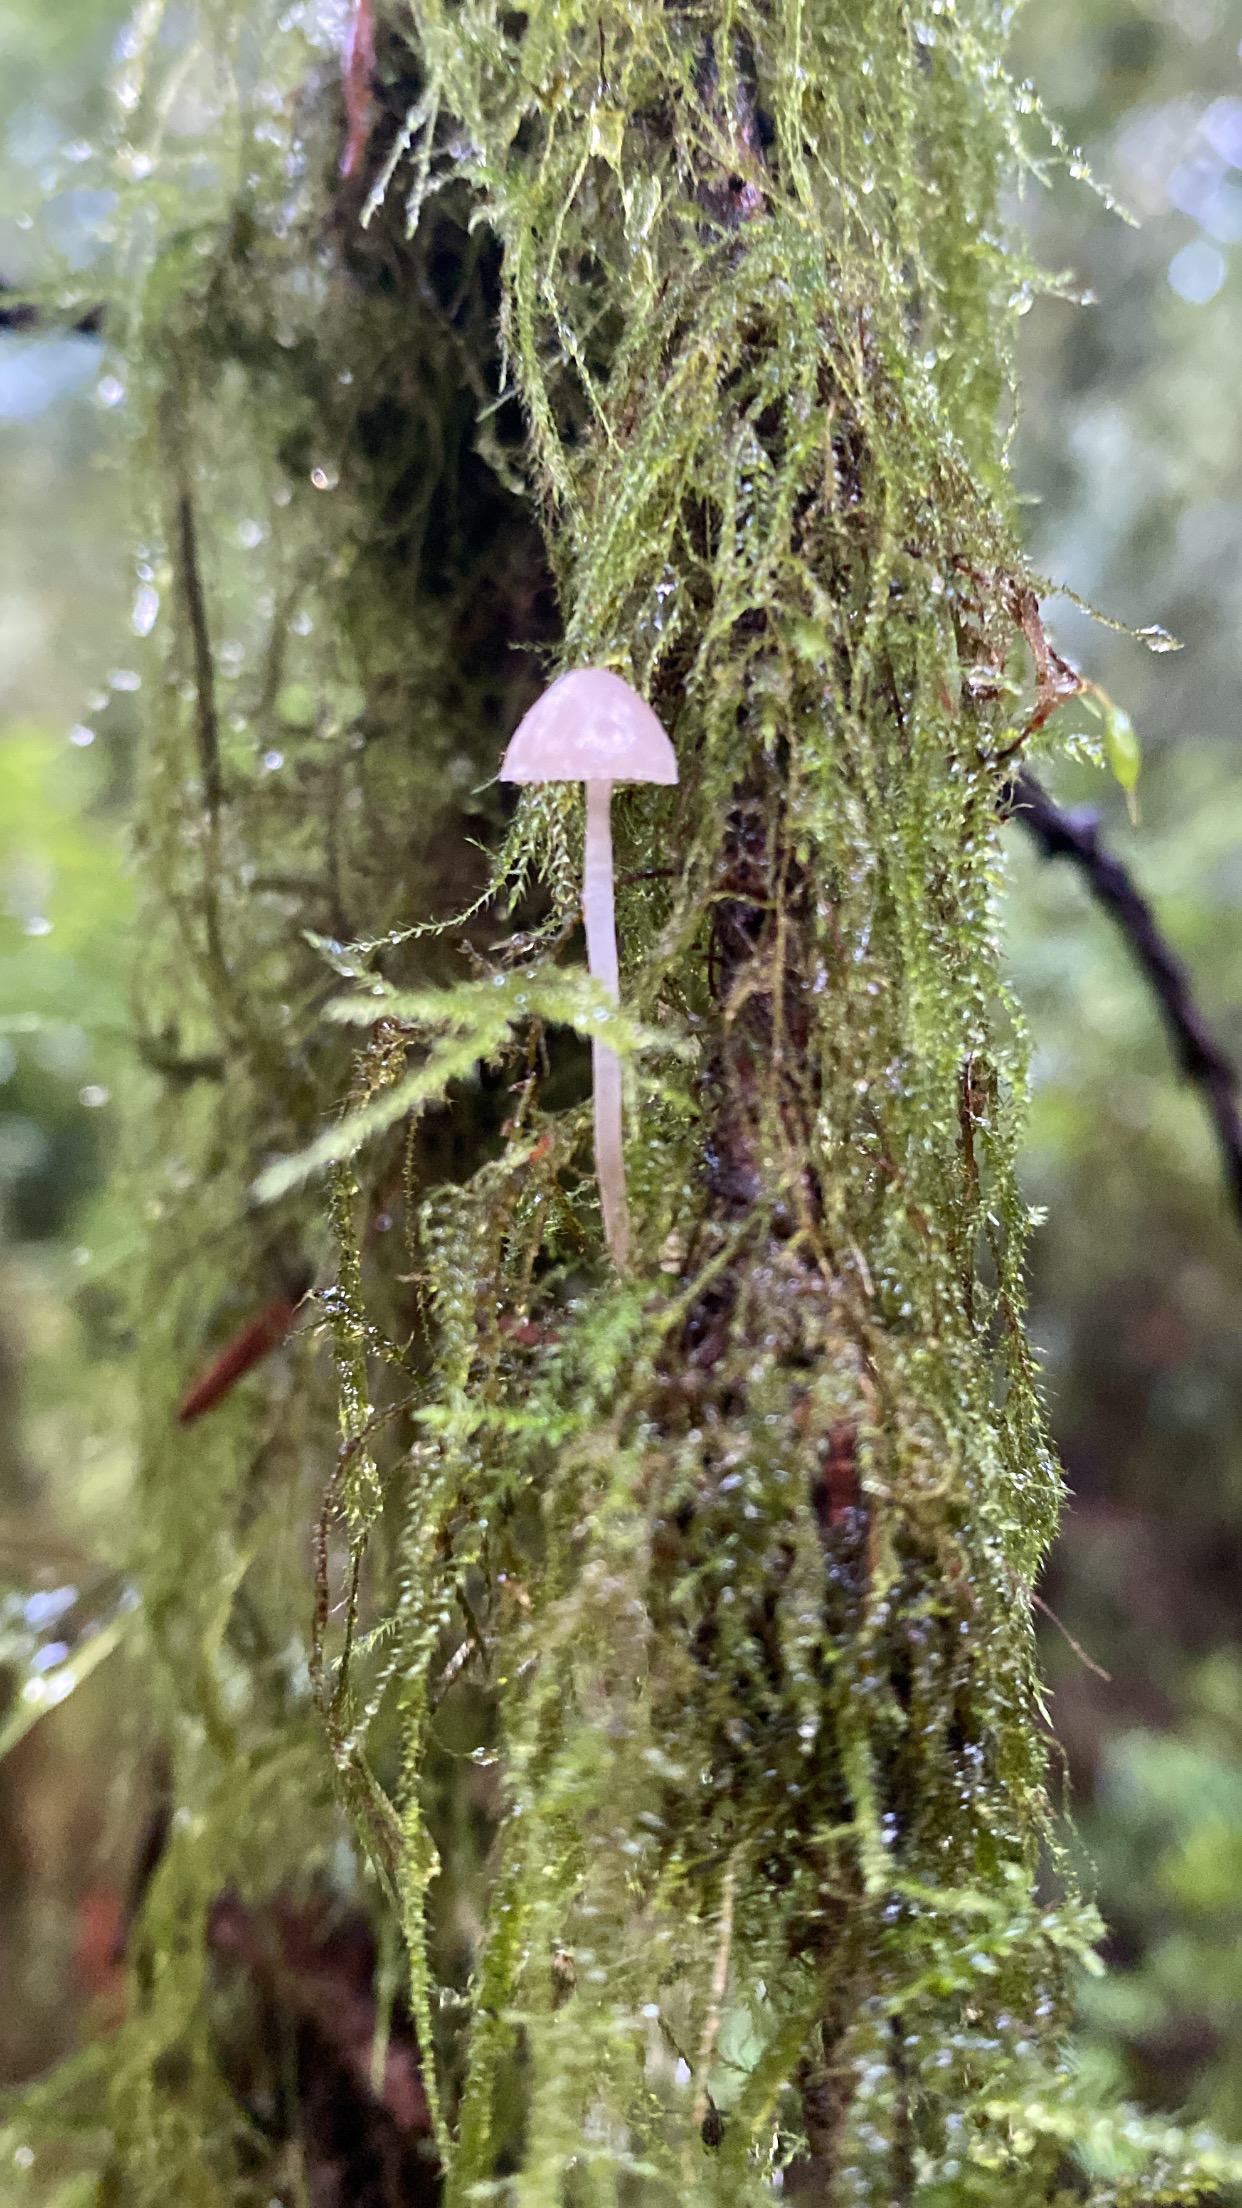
(1080, 1652)
(357, 76)
(1076, 836)
(204, 670)
(255, 1341)
(227, 997)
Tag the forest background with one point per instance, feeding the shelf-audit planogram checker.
(1129, 452)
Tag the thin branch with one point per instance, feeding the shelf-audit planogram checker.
(244, 1352)
(204, 671)
(1046, 1610)
(1076, 836)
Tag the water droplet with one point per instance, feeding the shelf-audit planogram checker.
(1197, 272)
(146, 610)
(44, 1609)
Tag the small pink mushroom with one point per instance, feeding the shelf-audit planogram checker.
(591, 727)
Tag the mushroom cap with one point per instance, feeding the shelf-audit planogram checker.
(589, 726)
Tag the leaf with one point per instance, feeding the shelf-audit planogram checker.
(1121, 747)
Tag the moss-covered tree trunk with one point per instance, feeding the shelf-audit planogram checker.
(669, 1632)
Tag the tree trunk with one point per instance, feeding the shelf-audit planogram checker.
(669, 1629)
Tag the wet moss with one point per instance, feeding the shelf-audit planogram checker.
(670, 1634)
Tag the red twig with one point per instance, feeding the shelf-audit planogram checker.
(1055, 680)
(245, 1350)
(357, 70)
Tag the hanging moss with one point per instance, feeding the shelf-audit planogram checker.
(670, 1633)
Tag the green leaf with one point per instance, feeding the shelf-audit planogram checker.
(1121, 747)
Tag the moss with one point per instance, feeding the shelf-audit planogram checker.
(671, 1633)
(774, 1639)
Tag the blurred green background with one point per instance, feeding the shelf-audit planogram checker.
(1129, 454)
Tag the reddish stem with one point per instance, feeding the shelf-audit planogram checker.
(246, 1349)
(357, 70)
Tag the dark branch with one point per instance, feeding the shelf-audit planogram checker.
(204, 671)
(1076, 836)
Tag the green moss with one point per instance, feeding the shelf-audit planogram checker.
(672, 1632)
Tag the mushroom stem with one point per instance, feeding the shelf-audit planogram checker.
(601, 935)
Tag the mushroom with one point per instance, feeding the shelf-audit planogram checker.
(591, 727)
